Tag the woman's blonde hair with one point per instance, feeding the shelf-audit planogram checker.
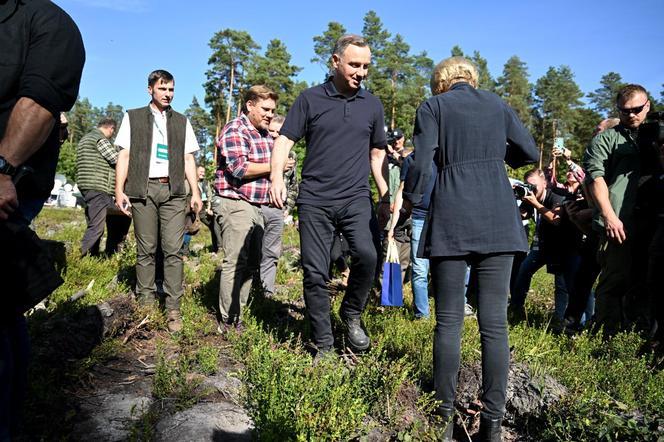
(452, 70)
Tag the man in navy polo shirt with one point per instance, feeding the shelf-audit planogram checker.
(343, 126)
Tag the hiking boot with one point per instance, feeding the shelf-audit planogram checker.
(490, 429)
(355, 333)
(174, 321)
(447, 423)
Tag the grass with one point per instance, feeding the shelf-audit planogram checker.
(616, 387)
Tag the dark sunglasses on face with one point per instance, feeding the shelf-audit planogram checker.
(632, 110)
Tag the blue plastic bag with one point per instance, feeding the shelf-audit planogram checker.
(392, 291)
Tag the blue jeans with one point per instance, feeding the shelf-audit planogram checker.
(420, 269)
(533, 262)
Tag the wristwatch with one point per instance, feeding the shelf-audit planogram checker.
(6, 168)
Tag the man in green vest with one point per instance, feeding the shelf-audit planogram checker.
(157, 155)
(96, 157)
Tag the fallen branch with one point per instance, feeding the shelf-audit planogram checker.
(131, 332)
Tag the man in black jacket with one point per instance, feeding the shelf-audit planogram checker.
(42, 61)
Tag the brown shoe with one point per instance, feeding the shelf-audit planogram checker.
(174, 321)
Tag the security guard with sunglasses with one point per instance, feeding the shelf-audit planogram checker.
(612, 164)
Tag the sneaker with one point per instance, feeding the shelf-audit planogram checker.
(174, 321)
(355, 333)
(468, 310)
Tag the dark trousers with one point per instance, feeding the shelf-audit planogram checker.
(655, 279)
(99, 212)
(14, 358)
(491, 273)
(357, 222)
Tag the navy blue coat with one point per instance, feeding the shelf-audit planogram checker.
(469, 134)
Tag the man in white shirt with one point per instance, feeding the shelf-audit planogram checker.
(156, 158)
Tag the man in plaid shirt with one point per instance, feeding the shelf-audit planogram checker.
(242, 185)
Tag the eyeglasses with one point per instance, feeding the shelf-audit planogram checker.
(632, 110)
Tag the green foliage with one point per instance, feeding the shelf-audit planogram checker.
(171, 381)
(324, 45)
(67, 161)
(557, 96)
(275, 71)
(232, 51)
(398, 78)
(514, 88)
(603, 99)
(203, 125)
(291, 399)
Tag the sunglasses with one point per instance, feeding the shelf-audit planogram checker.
(632, 110)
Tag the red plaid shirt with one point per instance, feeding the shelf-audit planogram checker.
(239, 144)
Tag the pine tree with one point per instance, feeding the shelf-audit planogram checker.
(457, 51)
(374, 34)
(231, 52)
(324, 45)
(604, 98)
(113, 111)
(82, 118)
(557, 97)
(514, 88)
(484, 79)
(275, 71)
(204, 128)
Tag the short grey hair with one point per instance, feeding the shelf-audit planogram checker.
(346, 40)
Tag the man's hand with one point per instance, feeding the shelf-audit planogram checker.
(614, 228)
(8, 198)
(383, 214)
(196, 203)
(531, 199)
(278, 193)
(122, 202)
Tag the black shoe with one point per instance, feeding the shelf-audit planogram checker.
(447, 423)
(355, 333)
(490, 429)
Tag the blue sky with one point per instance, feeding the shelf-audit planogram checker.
(126, 39)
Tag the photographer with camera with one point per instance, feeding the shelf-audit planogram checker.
(557, 243)
(612, 162)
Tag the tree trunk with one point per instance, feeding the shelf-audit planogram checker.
(230, 92)
(394, 101)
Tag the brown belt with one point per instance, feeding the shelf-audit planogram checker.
(163, 179)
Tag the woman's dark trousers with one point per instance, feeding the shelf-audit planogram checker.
(492, 275)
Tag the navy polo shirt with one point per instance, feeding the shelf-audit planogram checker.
(339, 133)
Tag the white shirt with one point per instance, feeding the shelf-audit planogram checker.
(159, 149)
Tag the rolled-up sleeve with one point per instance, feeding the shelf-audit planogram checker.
(234, 147)
(54, 62)
(425, 139)
(596, 156)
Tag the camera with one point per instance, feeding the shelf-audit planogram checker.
(652, 131)
(522, 189)
(393, 136)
